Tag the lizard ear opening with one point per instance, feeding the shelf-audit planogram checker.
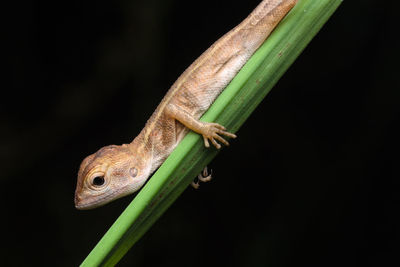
(133, 172)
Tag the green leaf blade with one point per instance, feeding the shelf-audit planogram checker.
(231, 109)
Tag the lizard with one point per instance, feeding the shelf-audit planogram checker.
(115, 171)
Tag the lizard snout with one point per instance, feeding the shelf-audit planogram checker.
(77, 201)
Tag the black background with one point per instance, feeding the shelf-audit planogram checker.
(311, 180)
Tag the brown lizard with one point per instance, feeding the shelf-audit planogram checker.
(116, 171)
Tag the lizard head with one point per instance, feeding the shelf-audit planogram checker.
(110, 173)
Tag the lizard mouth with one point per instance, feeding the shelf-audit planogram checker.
(87, 204)
(99, 200)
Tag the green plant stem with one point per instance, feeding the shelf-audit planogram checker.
(230, 109)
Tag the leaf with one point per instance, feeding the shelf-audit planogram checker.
(231, 109)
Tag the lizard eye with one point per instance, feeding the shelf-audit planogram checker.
(98, 181)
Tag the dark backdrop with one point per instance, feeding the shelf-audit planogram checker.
(311, 180)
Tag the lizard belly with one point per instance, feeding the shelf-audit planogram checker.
(166, 136)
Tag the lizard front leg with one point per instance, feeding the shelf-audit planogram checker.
(209, 130)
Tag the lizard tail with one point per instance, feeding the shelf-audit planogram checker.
(265, 17)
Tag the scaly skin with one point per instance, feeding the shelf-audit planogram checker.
(116, 171)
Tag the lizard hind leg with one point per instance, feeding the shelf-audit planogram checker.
(204, 177)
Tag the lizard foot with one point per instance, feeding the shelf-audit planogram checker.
(212, 131)
(204, 177)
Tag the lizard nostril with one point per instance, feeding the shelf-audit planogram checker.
(77, 200)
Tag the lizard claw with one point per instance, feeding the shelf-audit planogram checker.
(195, 185)
(213, 131)
(204, 177)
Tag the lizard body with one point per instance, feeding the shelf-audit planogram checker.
(116, 171)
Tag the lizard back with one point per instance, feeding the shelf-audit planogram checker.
(201, 83)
